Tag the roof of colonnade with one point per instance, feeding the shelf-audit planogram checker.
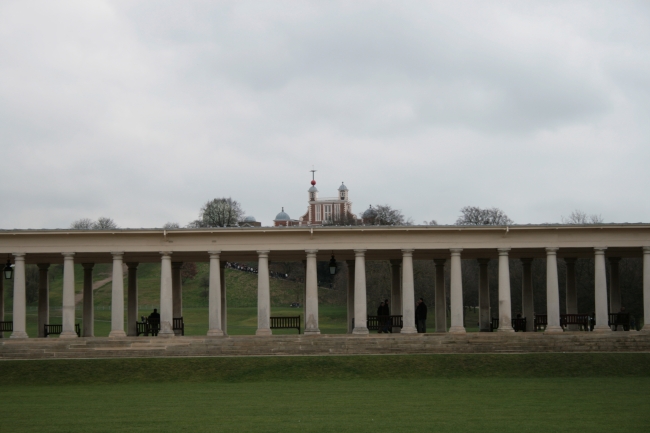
(290, 243)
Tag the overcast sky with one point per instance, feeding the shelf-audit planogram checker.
(143, 111)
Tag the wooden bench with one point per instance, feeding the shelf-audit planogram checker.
(58, 329)
(581, 320)
(285, 322)
(152, 326)
(518, 324)
(6, 326)
(376, 323)
(541, 322)
(619, 319)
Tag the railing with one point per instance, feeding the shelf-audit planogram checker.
(518, 324)
(6, 326)
(541, 321)
(619, 319)
(147, 326)
(58, 329)
(581, 320)
(376, 323)
(285, 322)
(178, 325)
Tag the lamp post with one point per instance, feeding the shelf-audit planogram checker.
(332, 264)
(9, 270)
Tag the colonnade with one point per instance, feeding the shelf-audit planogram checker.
(402, 293)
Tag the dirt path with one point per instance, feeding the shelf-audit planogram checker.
(97, 284)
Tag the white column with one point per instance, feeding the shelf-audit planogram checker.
(441, 295)
(602, 317)
(360, 305)
(527, 300)
(646, 289)
(350, 294)
(614, 288)
(132, 300)
(263, 295)
(166, 300)
(311, 297)
(68, 297)
(20, 297)
(505, 305)
(456, 293)
(484, 318)
(571, 290)
(88, 304)
(117, 298)
(408, 293)
(43, 298)
(224, 301)
(552, 292)
(214, 296)
(177, 291)
(396, 291)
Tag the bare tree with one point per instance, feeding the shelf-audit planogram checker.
(385, 215)
(102, 223)
(580, 217)
(171, 226)
(346, 219)
(431, 223)
(475, 216)
(220, 212)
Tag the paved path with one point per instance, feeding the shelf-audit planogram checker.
(97, 284)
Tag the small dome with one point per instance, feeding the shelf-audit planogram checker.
(369, 213)
(313, 189)
(250, 219)
(282, 216)
(343, 187)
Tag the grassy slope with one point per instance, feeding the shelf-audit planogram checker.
(449, 393)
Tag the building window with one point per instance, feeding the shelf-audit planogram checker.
(317, 212)
(328, 212)
(337, 212)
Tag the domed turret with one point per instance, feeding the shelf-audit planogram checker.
(282, 216)
(343, 192)
(250, 219)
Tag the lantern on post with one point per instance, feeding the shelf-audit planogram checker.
(332, 264)
(9, 270)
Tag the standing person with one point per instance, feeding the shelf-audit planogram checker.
(154, 322)
(421, 316)
(386, 313)
(380, 313)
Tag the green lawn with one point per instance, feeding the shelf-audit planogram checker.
(442, 393)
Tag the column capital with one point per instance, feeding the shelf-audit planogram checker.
(407, 253)
(88, 266)
(359, 253)
(646, 250)
(526, 260)
(177, 265)
(117, 254)
(397, 262)
(439, 262)
(16, 255)
(43, 266)
(503, 251)
(165, 253)
(132, 265)
(311, 253)
(614, 259)
(599, 251)
(570, 260)
(551, 250)
(455, 251)
(264, 253)
(65, 255)
(214, 253)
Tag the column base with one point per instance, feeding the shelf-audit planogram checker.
(457, 330)
(555, 329)
(116, 334)
(67, 334)
(314, 331)
(397, 330)
(21, 334)
(360, 331)
(409, 330)
(215, 333)
(602, 328)
(265, 332)
(505, 329)
(646, 328)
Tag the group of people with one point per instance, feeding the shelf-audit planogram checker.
(385, 325)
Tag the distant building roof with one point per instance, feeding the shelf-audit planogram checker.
(282, 216)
